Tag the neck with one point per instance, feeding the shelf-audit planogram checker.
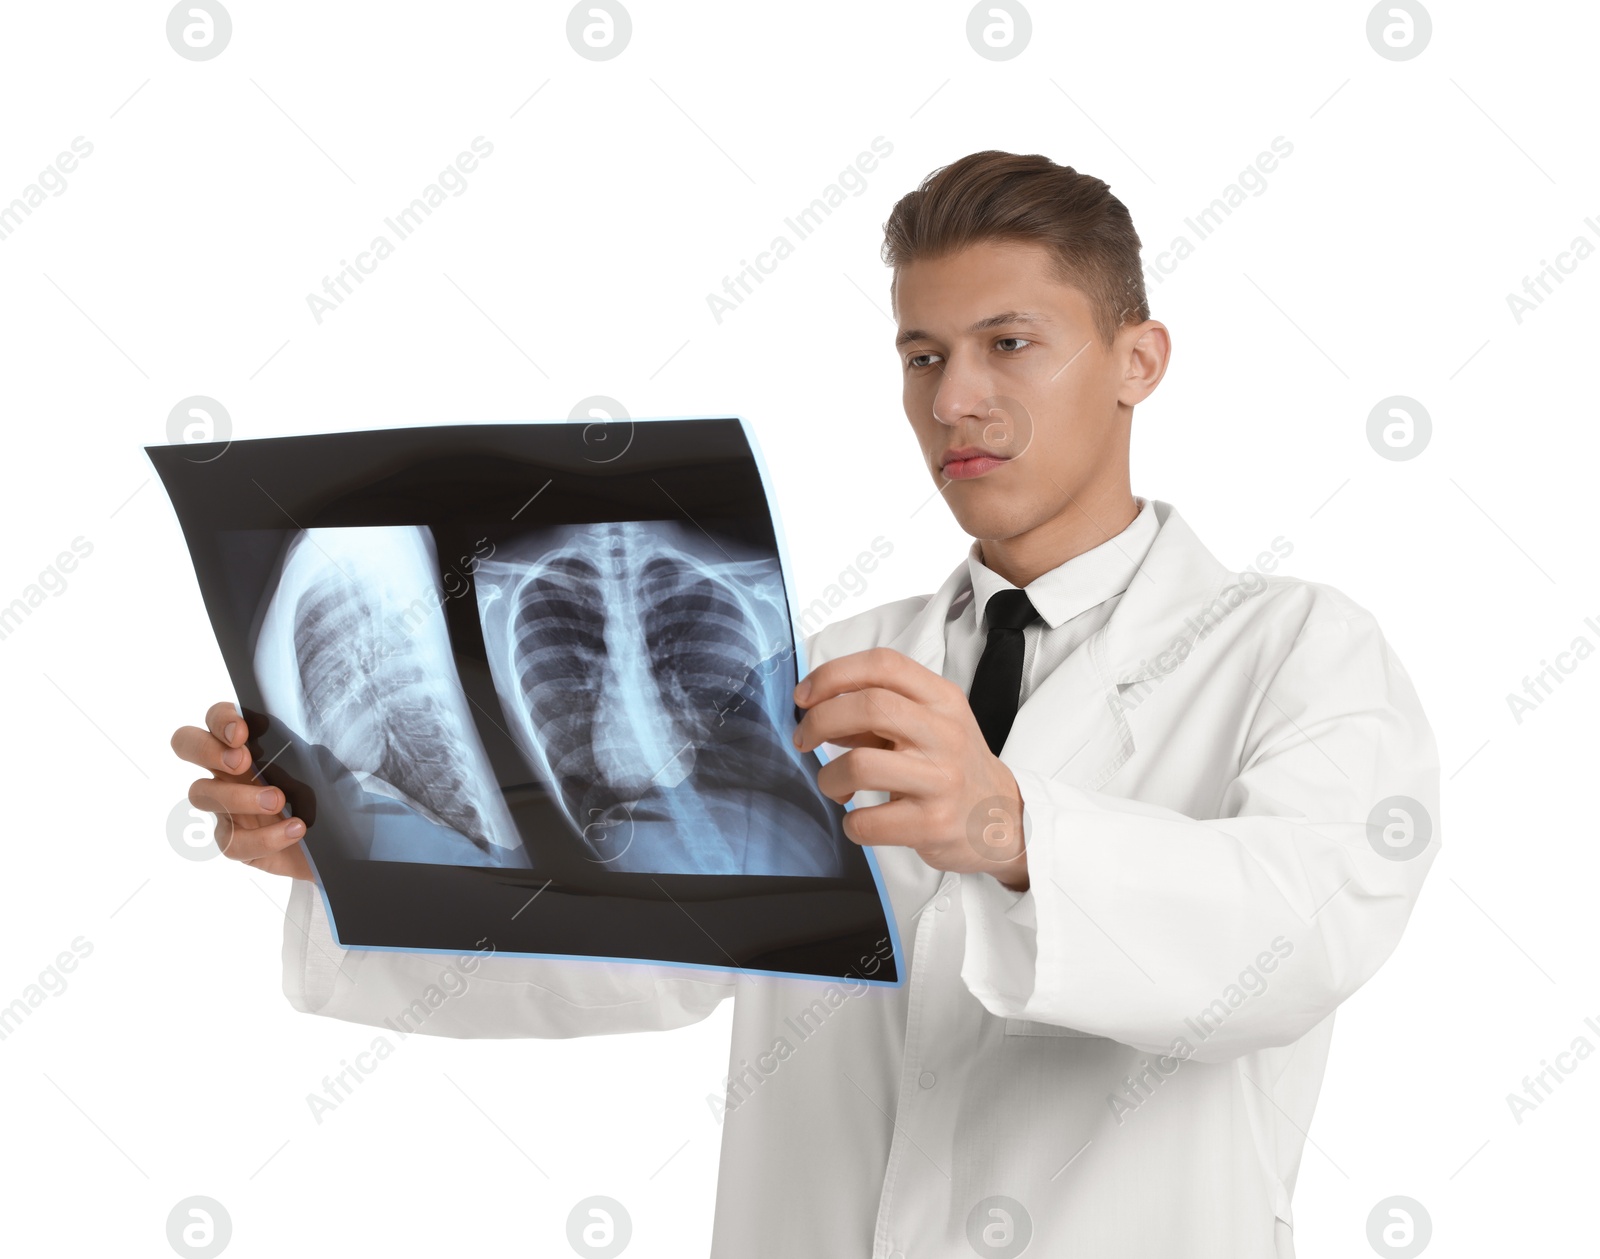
(1089, 520)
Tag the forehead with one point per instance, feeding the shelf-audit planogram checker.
(948, 294)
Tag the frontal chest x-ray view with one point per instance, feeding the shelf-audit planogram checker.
(646, 681)
(490, 668)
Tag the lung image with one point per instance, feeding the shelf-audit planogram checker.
(354, 655)
(646, 669)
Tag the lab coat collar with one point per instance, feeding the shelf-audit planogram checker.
(1072, 724)
(1162, 614)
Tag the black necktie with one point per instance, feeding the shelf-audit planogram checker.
(997, 683)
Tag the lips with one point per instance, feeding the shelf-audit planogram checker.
(966, 462)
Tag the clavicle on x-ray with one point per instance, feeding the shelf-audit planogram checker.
(354, 655)
(638, 663)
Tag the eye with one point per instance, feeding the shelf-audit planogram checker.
(917, 360)
(1000, 344)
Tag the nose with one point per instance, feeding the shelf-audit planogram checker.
(961, 395)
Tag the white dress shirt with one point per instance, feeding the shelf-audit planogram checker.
(1121, 1061)
(1073, 601)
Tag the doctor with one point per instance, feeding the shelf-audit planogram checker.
(1145, 821)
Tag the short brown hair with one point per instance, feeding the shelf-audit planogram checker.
(1008, 196)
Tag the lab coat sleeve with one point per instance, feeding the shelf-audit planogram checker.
(475, 995)
(1212, 938)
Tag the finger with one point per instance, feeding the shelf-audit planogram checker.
(224, 721)
(897, 823)
(877, 666)
(854, 741)
(291, 863)
(200, 747)
(247, 844)
(875, 769)
(245, 800)
(875, 711)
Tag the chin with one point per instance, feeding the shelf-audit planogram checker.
(993, 520)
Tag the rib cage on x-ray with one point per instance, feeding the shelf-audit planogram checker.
(642, 679)
(354, 654)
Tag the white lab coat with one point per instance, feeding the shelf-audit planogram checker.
(1132, 1049)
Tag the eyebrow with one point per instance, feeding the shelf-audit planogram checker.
(989, 321)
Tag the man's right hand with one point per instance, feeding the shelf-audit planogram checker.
(249, 826)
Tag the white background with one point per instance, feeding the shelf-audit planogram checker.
(577, 262)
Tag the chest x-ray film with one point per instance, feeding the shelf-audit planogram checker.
(531, 686)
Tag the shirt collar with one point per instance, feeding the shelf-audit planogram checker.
(1083, 582)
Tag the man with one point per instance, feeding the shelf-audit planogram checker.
(1144, 822)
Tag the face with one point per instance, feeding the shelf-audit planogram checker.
(1022, 411)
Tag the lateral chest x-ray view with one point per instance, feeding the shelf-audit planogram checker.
(527, 693)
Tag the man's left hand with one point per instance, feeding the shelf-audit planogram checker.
(912, 734)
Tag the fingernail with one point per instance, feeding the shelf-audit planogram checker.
(233, 759)
(295, 829)
(268, 799)
(229, 731)
(801, 691)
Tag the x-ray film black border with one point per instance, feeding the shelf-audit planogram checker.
(224, 480)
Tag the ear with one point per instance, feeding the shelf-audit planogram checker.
(1143, 350)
